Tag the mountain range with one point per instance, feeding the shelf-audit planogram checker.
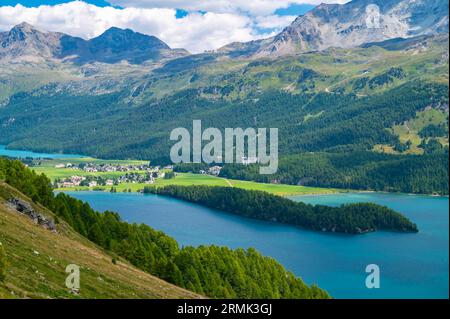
(325, 26)
(340, 79)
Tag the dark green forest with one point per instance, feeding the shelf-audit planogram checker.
(217, 272)
(105, 126)
(434, 130)
(425, 174)
(353, 218)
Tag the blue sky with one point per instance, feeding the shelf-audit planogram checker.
(195, 25)
(293, 9)
(36, 3)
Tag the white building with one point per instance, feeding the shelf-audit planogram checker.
(109, 182)
(92, 184)
(215, 170)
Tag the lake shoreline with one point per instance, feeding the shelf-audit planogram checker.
(29, 153)
(320, 190)
(328, 259)
(325, 193)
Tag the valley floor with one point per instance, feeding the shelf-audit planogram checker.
(48, 168)
(188, 179)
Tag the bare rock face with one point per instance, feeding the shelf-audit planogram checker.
(26, 209)
(358, 22)
(26, 43)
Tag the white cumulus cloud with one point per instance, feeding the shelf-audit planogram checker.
(274, 21)
(196, 32)
(254, 7)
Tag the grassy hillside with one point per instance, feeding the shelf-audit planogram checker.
(333, 70)
(38, 257)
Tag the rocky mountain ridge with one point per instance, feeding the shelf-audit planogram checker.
(351, 25)
(328, 25)
(25, 43)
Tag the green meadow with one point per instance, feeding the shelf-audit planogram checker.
(186, 179)
(409, 131)
(47, 167)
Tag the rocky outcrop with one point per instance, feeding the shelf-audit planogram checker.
(26, 209)
(358, 22)
(28, 44)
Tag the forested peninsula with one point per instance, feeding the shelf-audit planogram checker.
(351, 219)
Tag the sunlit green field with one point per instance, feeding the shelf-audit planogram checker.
(281, 189)
(187, 179)
(47, 167)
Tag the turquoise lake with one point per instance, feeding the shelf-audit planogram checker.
(29, 154)
(411, 265)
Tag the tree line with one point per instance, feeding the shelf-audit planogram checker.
(361, 170)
